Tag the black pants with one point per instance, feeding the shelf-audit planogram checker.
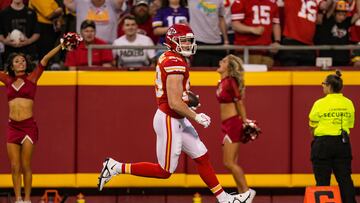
(207, 58)
(329, 154)
(296, 57)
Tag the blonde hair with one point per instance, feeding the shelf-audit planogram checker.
(236, 70)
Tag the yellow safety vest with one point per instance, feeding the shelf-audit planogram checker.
(332, 113)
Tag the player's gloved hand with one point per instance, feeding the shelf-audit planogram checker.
(203, 119)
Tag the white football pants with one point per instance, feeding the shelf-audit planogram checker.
(173, 136)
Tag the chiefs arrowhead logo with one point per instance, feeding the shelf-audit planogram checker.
(171, 31)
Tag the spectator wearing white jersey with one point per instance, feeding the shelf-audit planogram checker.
(135, 57)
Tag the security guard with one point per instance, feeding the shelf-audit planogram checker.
(330, 119)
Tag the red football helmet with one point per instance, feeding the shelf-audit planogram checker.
(181, 39)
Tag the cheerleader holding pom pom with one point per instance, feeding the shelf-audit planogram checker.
(70, 41)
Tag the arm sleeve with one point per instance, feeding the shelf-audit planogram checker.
(235, 93)
(45, 9)
(187, 14)
(276, 17)
(37, 72)
(4, 78)
(174, 66)
(237, 11)
(157, 19)
(314, 116)
(221, 9)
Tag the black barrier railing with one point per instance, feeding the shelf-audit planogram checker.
(246, 49)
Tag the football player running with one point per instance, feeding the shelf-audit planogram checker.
(174, 131)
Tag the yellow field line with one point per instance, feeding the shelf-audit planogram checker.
(197, 78)
(176, 180)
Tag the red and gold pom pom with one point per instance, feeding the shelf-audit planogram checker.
(70, 41)
(251, 131)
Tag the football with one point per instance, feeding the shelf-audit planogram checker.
(193, 99)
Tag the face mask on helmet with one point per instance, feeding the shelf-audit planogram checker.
(180, 38)
(186, 45)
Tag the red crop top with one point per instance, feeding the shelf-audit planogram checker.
(26, 89)
(228, 90)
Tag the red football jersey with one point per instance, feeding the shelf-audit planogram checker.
(354, 29)
(300, 19)
(255, 13)
(170, 63)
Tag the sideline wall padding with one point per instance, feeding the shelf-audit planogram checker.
(115, 121)
(302, 101)
(85, 116)
(306, 90)
(4, 161)
(271, 152)
(54, 112)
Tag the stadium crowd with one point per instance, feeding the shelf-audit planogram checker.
(35, 26)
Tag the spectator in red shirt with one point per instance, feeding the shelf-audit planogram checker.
(355, 28)
(4, 4)
(300, 23)
(78, 56)
(254, 23)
